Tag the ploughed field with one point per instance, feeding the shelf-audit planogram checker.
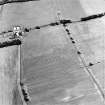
(52, 68)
